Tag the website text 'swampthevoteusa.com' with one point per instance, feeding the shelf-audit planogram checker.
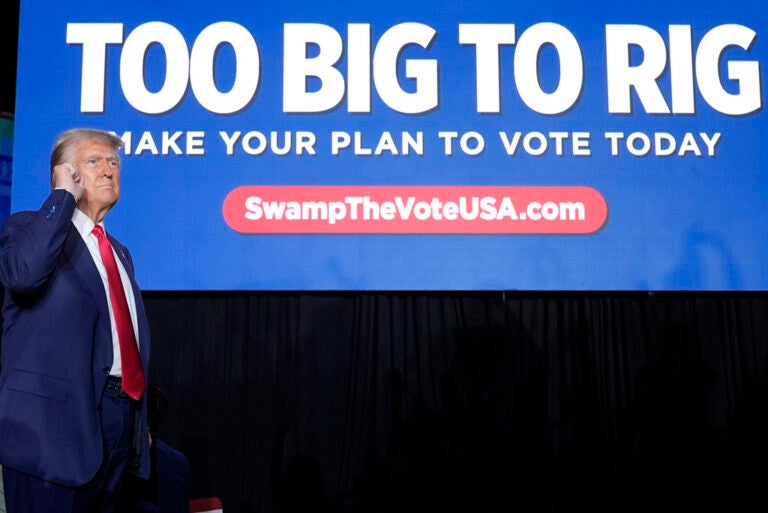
(415, 209)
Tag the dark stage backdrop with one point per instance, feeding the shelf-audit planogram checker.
(451, 402)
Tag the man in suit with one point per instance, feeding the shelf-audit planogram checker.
(73, 412)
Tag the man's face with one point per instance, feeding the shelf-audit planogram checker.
(99, 168)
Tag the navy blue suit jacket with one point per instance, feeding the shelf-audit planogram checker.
(57, 347)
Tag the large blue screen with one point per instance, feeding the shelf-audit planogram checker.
(401, 145)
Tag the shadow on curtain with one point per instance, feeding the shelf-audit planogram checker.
(450, 402)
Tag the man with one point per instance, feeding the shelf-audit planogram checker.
(72, 404)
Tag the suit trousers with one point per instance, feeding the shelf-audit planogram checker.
(25, 493)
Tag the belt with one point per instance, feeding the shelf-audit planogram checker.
(114, 387)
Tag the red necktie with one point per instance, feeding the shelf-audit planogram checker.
(133, 375)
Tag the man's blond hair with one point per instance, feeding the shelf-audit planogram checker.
(71, 138)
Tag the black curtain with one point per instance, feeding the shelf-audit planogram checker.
(451, 402)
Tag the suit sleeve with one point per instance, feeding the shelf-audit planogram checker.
(31, 241)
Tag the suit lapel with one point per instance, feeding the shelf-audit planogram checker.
(141, 316)
(82, 262)
(77, 252)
